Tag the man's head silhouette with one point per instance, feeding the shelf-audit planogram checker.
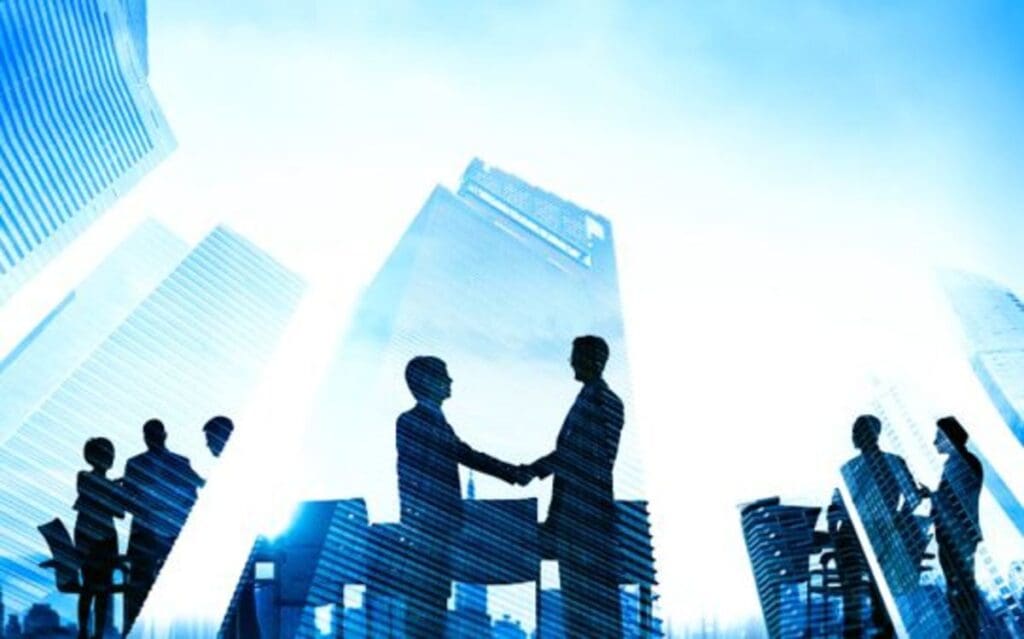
(154, 434)
(218, 430)
(428, 379)
(866, 430)
(589, 355)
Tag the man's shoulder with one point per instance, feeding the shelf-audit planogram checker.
(142, 459)
(415, 417)
(180, 460)
(608, 395)
(608, 402)
(893, 458)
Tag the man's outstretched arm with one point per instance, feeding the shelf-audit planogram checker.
(545, 465)
(492, 466)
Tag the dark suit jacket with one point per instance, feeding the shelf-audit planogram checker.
(162, 488)
(429, 454)
(955, 503)
(582, 498)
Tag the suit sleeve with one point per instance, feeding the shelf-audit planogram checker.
(131, 488)
(905, 480)
(484, 463)
(413, 460)
(191, 477)
(594, 445)
(546, 465)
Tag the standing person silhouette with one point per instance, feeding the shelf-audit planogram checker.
(99, 501)
(957, 527)
(581, 517)
(163, 488)
(885, 494)
(430, 496)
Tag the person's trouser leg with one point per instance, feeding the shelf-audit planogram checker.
(84, 608)
(590, 593)
(879, 615)
(957, 565)
(146, 554)
(853, 603)
(426, 601)
(425, 616)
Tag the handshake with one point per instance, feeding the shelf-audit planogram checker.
(523, 474)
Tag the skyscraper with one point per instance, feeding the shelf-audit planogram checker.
(992, 318)
(79, 124)
(780, 542)
(496, 278)
(158, 331)
(306, 567)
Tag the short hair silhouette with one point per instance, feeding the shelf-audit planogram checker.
(421, 371)
(592, 349)
(154, 433)
(99, 452)
(218, 431)
(954, 431)
(219, 425)
(866, 430)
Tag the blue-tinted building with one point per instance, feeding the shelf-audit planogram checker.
(780, 542)
(79, 125)
(992, 318)
(900, 545)
(158, 330)
(496, 277)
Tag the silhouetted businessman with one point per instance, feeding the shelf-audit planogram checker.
(429, 454)
(885, 493)
(957, 527)
(581, 517)
(163, 488)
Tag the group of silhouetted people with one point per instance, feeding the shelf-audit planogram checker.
(581, 519)
(158, 489)
(887, 495)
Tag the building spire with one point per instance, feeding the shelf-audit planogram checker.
(471, 487)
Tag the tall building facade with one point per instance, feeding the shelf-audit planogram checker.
(992, 318)
(79, 125)
(780, 542)
(500, 301)
(496, 278)
(158, 330)
(900, 544)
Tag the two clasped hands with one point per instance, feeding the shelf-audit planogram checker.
(523, 474)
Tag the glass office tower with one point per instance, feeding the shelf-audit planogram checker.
(992, 318)
(497, 279)
(79, 124)
(158, 330)
(899, 535)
